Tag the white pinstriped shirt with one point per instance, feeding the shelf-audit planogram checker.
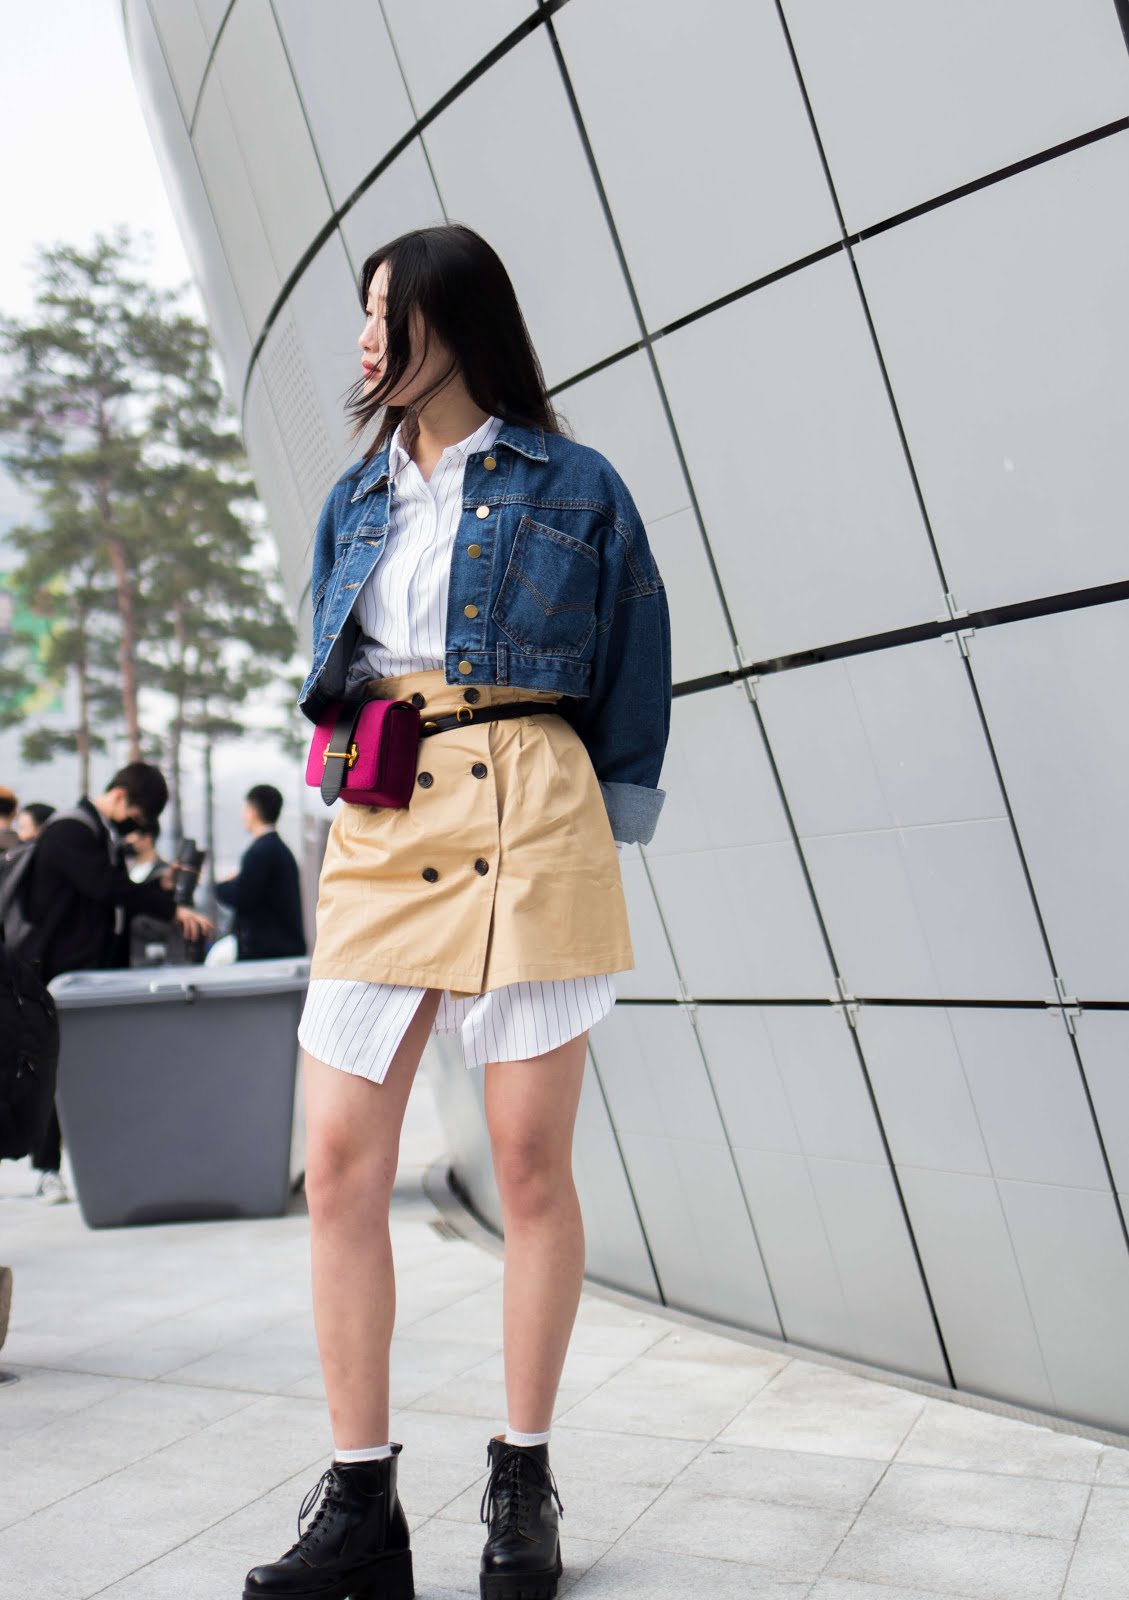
(402, 612)
(402, 609)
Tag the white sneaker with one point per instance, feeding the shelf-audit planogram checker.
(52, 1189)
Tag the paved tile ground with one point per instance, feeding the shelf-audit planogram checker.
(169, 1417)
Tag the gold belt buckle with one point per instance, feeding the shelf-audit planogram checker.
(464, 714)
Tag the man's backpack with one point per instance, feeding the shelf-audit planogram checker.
(29, 1057)
(17, 931)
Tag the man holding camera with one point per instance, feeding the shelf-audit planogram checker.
(81, 894)
(151, 941)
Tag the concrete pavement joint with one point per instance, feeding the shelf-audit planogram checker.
(748, 1462)
(474, 1230)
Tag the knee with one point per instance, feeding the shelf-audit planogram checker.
(344, 1178)
(530, 1177)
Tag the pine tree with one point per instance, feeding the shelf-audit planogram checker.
(148, 540)
(76, 425)
(81, 642)
(214, 626)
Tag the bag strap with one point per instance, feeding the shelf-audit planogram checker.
(466, 715)
(341, 752)
(74, 814)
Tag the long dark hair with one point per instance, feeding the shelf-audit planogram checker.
(465, 298)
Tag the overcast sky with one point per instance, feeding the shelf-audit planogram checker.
(77, 156)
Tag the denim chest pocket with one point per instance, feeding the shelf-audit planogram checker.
(547, 602)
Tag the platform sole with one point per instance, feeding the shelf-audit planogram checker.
(387, 1579)
(521, 1585)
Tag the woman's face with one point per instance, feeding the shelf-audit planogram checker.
(26, 826)
(423, 370)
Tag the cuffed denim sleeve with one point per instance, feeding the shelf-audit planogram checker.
(625, 720)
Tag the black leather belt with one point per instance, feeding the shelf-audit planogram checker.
(466, 715)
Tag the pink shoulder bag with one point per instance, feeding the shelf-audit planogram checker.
(365, 753)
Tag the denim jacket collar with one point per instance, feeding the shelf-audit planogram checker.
(528, 442)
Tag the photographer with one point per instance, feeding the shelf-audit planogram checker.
(150, 940)
(144, 861)
(81, 894)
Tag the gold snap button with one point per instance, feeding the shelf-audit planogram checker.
(483, 511)
(470, 611)
(474, 551)
(465, 666)
(489, 463)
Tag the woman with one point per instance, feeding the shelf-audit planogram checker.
(483, 566)
(30, 819)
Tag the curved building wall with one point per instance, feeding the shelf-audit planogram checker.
(839, 289)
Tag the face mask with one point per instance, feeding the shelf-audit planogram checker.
(129, 849)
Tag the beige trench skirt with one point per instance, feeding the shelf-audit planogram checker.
(524, 880)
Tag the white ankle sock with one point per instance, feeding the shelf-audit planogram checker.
(376, 1452)
(513, 1437)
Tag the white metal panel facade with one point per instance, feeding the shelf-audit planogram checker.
(840, 292)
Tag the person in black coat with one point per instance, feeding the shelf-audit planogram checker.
(265, 894)
(80, 894)
(79, 866)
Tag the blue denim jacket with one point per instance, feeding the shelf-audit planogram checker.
(552, 552)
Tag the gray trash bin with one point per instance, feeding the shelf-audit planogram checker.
(176, 1089)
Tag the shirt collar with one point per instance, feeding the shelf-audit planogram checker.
(528, 442)
(481, 439)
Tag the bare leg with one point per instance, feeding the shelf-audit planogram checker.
(353, 1146)
(531, 1111)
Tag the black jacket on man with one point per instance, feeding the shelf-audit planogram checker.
(266, 900)
(81, 869)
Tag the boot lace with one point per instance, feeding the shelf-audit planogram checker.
(507, 1493)
(334, 1494)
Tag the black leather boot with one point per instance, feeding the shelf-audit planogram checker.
(522, 1556)
(355, 1548)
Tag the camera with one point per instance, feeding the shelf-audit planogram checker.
(189, 860)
